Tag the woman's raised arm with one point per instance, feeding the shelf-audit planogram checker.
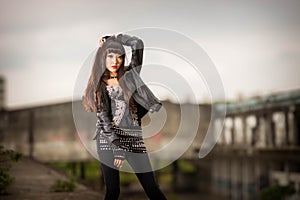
(137, 48)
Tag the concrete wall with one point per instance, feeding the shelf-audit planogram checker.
(50, 133)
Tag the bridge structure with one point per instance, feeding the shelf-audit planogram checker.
(259, 146)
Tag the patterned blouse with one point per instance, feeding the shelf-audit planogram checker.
(127, 128)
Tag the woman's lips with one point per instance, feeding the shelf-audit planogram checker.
(114, 67)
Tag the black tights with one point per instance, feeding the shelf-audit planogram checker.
(140, 164)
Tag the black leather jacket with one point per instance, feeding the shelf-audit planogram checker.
(143, 98)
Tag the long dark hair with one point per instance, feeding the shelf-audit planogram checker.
(93, 95)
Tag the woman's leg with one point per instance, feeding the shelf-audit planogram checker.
(141, 165)
(109, 173)
(112, 182)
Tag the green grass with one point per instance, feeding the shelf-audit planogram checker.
(127, 178)
(186, 166)
(92, 169)
(93, 172)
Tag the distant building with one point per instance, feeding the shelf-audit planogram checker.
(2, 93)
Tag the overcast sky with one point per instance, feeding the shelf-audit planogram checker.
(253, 44)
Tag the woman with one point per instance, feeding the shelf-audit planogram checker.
(121, 99)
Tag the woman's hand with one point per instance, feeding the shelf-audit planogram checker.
(103, 39)
(118, 163)
(101, 42)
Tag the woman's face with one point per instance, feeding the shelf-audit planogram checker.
(113, 62)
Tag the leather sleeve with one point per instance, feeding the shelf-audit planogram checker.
(137, 48)
(104, 124)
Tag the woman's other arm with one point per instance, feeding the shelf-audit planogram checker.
(104, 124)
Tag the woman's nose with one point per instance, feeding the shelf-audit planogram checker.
(114, 60)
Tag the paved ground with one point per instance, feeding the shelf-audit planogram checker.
(33, 181)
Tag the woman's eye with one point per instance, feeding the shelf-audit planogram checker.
(109, 56)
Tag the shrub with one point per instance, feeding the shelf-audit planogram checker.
(63, 186)
(277, 192)
(6, 157)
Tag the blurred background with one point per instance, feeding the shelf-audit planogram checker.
(253, 44)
